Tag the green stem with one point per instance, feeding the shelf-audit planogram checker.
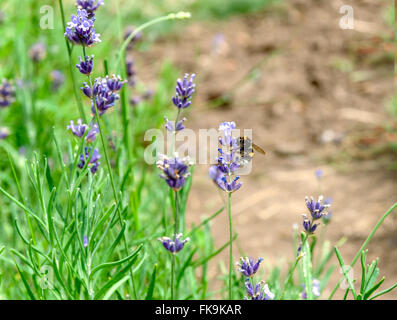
(388, 212)
(171, 16)
(173, 269)
(291, 272)
(230, 244)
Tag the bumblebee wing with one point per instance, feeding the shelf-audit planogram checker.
(258, 149)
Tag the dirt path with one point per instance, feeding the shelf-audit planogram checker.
(316, 100)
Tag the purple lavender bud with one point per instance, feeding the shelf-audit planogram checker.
(315, 289)
(175, 171)
(319, 174)
(57, 79)
(85, 241)
(114, 83)
(94, 160)
(261, 291)
(89, 5)
(131, 73)
(148, 94)
(230, 186)
(228, 160)
(86, 66)
(37, 52)
(81, 31)
(7, 94)
(171, 124)
(308, 225)
(4, 133)
(87, 90)
(216, 174)
(248, 267)
(184, 92)
(173, 245)
(91, 135)
(316, 208)
(79, 129)
(128, 31)
(105, 93)
(134, 101)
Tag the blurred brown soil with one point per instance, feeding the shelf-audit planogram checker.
(315, 98)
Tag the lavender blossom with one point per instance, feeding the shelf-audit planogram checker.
(4, 133)
(228, 162)
(315, 289)
(86, 66)
(248, 267)
(319, 174)
(57, 79)
(104, 92)
(131, 73)
(37, 52)
(175, 245)
(316, 208)
(184, 92)
(260, 292)
(81, 31)
(175, 171)
(7, 94)
(128, 31)
(79, 129)
(170, 125)
(91, 135)
(89, 5)
(317, 211)
(85, 241)
(94, 160)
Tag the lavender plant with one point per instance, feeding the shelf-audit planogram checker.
(84, 217)
(175, 170)
(224, 175)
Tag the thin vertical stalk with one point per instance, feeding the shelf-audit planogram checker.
(291, 272)
(229, 206)
(173, 262)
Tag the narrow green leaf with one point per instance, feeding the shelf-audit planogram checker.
(345, 272)
(150, 290)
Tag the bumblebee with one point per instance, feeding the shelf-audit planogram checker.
(247, 149)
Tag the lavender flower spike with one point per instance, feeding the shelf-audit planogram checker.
(175, 171)
(316, 208)
(91, 135)
(86, 66)
(173, 246)
(89, 5)
(94, 160)
(81, 29)
(184, 92)
(228, 161)
(170, 125)
(260, 292)
(104, 91)
(248, 267)
(7, 94)
(79, 129)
